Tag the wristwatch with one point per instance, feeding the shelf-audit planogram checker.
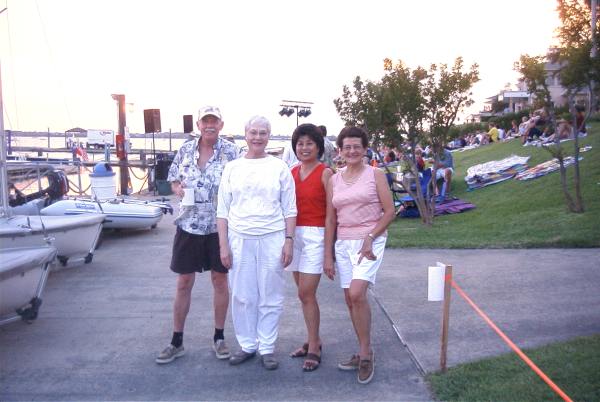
(371, 236)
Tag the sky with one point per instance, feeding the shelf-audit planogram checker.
(62, 59)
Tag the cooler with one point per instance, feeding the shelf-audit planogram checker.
(103, 182)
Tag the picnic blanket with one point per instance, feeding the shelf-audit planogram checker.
(493, 172)
(544, 168)
(452, 206)
(445, 207)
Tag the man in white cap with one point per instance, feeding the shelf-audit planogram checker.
(198, 165)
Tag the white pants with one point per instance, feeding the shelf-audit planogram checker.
(257, 288)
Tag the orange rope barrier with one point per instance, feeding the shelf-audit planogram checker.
(514, 347)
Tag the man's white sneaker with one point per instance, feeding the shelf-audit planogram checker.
(169, 354)
(221, 349)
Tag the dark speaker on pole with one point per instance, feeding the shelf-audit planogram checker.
(152, 120)
(188, 123)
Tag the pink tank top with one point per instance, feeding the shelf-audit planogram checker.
(357, 205)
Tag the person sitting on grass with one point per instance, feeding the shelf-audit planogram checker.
(532, 131)
(443, 168)
(493, 133)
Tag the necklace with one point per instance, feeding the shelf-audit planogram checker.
(352, 179)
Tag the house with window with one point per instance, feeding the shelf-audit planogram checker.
(558, 92)
(513, 101)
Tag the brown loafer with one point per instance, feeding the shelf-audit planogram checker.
(366, 369)
(240, 356)
(269, 362)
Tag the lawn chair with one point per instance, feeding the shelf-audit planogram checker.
(408, 207)
(396, 187)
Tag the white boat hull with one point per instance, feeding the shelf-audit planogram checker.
(119, 214)
(23, 275)
(73, 236)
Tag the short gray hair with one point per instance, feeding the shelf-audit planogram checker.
(260, 120)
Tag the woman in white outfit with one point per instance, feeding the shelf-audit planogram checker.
(256, 220)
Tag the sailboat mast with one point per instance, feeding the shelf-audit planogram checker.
(4, 211)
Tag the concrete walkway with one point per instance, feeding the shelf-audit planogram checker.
(102, 324)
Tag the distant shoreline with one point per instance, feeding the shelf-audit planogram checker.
(167, 135)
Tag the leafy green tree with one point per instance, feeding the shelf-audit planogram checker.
(447, 93)
(403, 102)
(405, 88)
(579, 70)
(533, 74)
(367, 105)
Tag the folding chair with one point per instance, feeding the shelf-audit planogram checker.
(395, 187)
(409, 206)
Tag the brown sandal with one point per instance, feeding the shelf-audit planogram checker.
(311, 362)
(301, 351)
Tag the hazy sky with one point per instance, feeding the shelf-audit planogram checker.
(62, 59)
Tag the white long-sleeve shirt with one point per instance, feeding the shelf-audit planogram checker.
(256, 195)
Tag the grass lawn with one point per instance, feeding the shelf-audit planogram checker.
(513, 214)
(574, 366)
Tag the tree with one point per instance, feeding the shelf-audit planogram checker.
(401, 102)
(579, 70)
(533, 74)
(577, 54)
(447, 93)
(406, 87)
(368, 106)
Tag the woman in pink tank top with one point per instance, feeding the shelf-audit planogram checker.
(359, 210)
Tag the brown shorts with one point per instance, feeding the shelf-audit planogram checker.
(195, 253)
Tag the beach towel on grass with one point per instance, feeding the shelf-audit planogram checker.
(494, 172)
(452, 206)
(544, 168)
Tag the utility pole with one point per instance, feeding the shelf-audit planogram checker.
(121, 143)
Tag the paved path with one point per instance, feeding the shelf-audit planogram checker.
(102, 324)
(535, 296)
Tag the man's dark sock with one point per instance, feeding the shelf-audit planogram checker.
(218, 334)
(177, 340)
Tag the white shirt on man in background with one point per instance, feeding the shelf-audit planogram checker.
(289, 157)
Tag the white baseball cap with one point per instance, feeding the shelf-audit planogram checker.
(209, 111)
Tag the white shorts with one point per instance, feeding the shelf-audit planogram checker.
(346, 256)
(309, 244)
(441, 173)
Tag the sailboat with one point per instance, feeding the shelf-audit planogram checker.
(121, 213)
(23, 275)
(73, 236)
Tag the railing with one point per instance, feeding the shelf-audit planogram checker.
(26, 175)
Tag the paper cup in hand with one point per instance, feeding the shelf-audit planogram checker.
(188, 197)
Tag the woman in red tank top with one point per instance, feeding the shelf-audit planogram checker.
(310, 178)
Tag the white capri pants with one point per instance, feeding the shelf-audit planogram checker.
(257, 288)
(346, 256)
(309, 246)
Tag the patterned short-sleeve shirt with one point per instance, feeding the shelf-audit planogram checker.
(201, 218)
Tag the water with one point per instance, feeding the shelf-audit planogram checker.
(138, 177)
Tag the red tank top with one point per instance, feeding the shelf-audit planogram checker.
(310, 197)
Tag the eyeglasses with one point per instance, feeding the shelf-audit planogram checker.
(352, 147)
(260, 133)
